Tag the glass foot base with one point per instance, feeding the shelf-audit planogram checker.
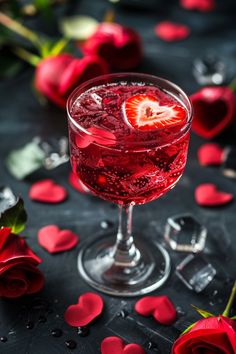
(103, 272)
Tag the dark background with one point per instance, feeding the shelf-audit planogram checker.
(22, 118)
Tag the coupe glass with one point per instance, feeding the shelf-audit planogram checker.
(126, 172)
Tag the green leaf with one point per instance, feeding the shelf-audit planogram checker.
(78, 27)
(44, 6)
(59, 46)
(14, 217)
(233, 318)
(26, 160)
(203, 313)
(188, 328)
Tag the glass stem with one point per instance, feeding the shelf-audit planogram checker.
(125, 252)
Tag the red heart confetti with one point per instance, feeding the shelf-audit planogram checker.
(200, 5)
(96, 135)
(207, 194)
(169, 31)
(115, 345)
(47, 191)
(160, 307)
(55, 240)
(89, 307)
(210, 154)
(76, 182)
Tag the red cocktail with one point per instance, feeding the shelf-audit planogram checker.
(129, 137)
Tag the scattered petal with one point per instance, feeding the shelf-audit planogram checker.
(89, 306)
(55, 240)
(200, 5)
(169, 31)
(96, 135)
(208, 195)
(160, 307)
(76, 182)
(47, 191)
(210, 154)
(116, 345)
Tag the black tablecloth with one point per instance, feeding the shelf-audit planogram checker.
(27, 323)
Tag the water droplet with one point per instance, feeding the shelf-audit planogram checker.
(105, 224)
(180, 311)
(123, 313)
(71, 344)
(30, 325)
(83, 331)
(3, 339)
(153, 346)
(215, 292)
(56, 332)
(42, 319)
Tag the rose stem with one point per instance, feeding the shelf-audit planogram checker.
(19, 29)
(230, 302)
(26, 56)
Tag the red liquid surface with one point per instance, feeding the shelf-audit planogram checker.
(117, 162)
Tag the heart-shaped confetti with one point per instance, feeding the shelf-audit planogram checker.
(89, 307)
(160, 307)
(169, 31)
(115, 345)
(210, 154)
(55, 240)
(96, 135)
(47, 191)
(200, 5)
(76, 182)
(208, 195)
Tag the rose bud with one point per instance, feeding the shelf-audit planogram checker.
(209, 335)
(19, 274)
(57, 76)
(120, 46)
(214, 109)
(200, 5)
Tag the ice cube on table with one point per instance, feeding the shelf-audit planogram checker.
(185, 234)
(195, 272)
(7, 198)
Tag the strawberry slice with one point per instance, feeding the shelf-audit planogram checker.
(145, 112)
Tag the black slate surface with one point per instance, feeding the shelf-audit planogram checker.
(21, 118)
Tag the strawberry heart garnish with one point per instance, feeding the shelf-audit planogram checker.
(214, 110)
(47, 191)
(210, 154)
(115, 345)
(169, 31)
(208, 195)
(89, 307)
(145, 112)
(55, 240)
(96, 135)
(160, 307)
(76, 182)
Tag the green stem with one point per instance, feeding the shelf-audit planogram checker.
(232, 85)
(230, 302)
(19, 29)
(27, 56)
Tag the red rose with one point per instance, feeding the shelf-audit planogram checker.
(214, 109)
(200, 5)
(213, 335)
(57, 76)
(18, 266)
(120, 46)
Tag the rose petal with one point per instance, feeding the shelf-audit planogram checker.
(210, 154)
(200, 5)
(115, 345)
(160, 307)
(89, 307)
(13, 283)
(96, 135)
(47, 191)
(170, 31)
(55, 240)
(76, 182)
(208, 195)
(4, 234)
